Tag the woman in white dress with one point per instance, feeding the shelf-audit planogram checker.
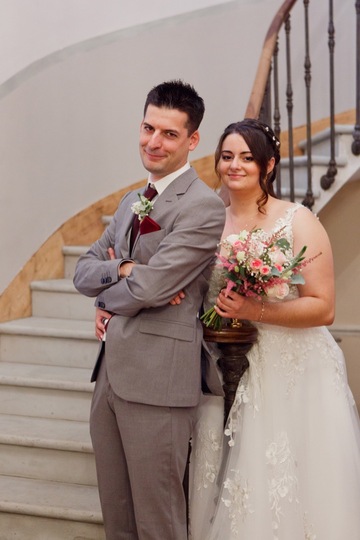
(288, 465)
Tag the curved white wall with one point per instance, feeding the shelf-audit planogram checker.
(33, 30)
(73, 89)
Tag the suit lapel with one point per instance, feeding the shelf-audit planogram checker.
(170, 195)
(174, 191)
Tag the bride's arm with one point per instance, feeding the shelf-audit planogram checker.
(315, 305)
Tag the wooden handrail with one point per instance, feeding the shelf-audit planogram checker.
(264, 66)
(259, 87)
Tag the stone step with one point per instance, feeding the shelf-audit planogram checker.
(319, 167)
(320, 142)
(58, 298)
(41, 340)
(71, 256)
(46, 449)
(42, 510)
(45, 391)
(106, 220)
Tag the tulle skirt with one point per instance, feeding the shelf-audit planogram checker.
(288, 466)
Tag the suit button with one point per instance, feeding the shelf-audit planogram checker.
(103, 281)
(101, 305)
(108, 280)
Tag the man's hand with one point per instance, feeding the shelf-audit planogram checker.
(178, 298)
(111, 253)
(125, 268)
(100, 317)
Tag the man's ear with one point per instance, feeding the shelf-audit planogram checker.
(194, 140)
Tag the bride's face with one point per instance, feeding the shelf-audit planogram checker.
(237, 167)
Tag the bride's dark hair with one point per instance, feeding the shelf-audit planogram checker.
(263, 145)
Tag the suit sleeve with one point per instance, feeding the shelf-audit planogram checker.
(180, 258)
(94, 271)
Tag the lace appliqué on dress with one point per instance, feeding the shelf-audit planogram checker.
(283, 482)
(238, 501)
(207, 455)
(235, 411)
(308, 529)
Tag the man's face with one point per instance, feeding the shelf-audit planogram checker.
(164, 141)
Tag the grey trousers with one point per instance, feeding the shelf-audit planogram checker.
(141, 453)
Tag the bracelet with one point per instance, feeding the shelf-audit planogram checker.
(262, 311)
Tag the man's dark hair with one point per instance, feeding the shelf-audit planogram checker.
(181, 96)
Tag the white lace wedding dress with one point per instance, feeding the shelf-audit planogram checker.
(288, 466)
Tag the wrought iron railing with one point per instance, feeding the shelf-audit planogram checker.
(266, 97)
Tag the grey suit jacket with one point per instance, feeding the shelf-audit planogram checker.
(153, 348)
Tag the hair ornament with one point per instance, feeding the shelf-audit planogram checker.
(272, 137)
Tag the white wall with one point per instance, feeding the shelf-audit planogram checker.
(33, 30)
(74, 79)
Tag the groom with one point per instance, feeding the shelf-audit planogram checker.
(148, 372)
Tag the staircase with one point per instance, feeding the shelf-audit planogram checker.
(47, 472)
(348, 166)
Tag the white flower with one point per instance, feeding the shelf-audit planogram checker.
(243, 235)
(277, 256)
(232, 238)
(280, 290)
(271, 454)
(240, 256)
(283, 490)
(210, 476)
(143, 207)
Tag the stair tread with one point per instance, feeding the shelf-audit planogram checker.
(301, 161)
(48, 326)
(75, 249)
(72, 435)
(55, 285)
(48, 376)
(340, 129)
(52, 499)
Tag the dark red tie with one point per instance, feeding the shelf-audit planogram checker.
(149, 193)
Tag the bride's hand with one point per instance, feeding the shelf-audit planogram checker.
(232, 305)
(178, 298)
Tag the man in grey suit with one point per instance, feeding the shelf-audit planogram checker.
(148, 372)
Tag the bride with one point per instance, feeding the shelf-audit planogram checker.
(287, 466)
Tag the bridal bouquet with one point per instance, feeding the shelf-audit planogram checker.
(258, 264)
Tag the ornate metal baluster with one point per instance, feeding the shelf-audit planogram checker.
(355, 147)
(328, 179)
(289, 106)
(309, 197)
(277, 116)
(265, 110)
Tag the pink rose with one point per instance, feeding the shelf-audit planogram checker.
(277, 256)
(256, 264)
(265, 270)
(280, 290)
